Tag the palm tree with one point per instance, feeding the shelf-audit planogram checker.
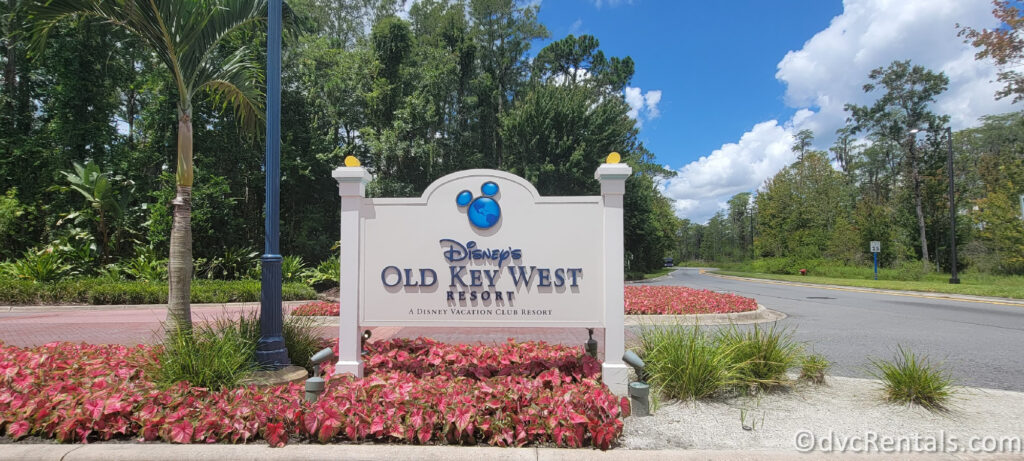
(187, 36)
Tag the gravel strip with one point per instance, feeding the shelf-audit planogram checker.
(844, 408)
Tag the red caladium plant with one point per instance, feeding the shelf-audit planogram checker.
(416, 391)
(640, 300)
(318, 308)
(664, 300)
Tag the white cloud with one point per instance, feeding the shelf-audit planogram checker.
(576, 26)
(651, 99)
(703, 186)
(830, 71)
(642, 105)
(611, 3)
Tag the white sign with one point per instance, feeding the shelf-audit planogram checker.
(482, 248)
(876, 246)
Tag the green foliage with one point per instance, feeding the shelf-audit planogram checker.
(913, 379)
(236, 263)
(213, 356)
(11, 211)
(685, 362)
(813, 368)
(761, 357)
(37, 266)
(799, 209)
(107, 198)
(324, 275)
(146, 266)
(292, 268)
(107, 290)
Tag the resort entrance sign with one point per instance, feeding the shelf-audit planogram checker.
(481, 248)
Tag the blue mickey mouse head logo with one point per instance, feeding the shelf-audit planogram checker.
(483, 211)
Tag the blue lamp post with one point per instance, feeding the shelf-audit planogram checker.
(270, 350)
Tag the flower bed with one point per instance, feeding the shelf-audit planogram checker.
(640, 300)
(661, 300)
(321, 308)
(416, 392)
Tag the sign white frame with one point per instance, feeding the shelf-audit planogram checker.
(876, 246)
(365, 221)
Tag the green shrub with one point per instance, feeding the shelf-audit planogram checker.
(760, 357)
(292, 268)
(37, 266)
(907, 271)
(211, 356)
(910, 378)
(325, 275)
(775, 266)
(813, 368)
(684, 362)
(111, 291)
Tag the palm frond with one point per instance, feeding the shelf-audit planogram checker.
(236, 82)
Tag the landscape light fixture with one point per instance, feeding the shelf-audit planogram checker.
(315, 385)
(639, 391)
(954, 279)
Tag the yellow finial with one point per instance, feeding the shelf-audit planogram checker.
(613, 157)
(352, 161)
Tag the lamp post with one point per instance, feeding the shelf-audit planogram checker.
(952, 211)
(953, 279)
(270, 350)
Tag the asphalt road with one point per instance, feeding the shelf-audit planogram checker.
(982, 344)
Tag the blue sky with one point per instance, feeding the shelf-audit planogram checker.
(721, 87)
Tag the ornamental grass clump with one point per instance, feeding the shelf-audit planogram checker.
(211, 356)
(813, 368)
(685, 362)
(760, 356)
(913, 379)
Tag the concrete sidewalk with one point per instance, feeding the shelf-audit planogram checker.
(167, 452)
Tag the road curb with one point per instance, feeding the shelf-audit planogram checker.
(919, 294)
(760, 315)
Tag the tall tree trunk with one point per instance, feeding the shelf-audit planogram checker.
(179, 273)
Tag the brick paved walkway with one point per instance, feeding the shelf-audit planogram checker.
(143, 326)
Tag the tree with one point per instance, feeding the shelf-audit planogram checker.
(503, 32)
(1005, 45)
(798, 209)
(895, 116)
(187, 37)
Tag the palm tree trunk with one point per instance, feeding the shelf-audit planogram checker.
(179, 273)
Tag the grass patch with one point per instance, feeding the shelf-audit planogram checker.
(913, 379)
(813, 368)
(213, 356)
(760, 357)
(684, 362)
(634, 276)
(970, 283)
(102, 291)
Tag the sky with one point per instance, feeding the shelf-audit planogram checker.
(720, 88)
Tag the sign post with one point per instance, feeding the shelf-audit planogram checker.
(876, 247)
